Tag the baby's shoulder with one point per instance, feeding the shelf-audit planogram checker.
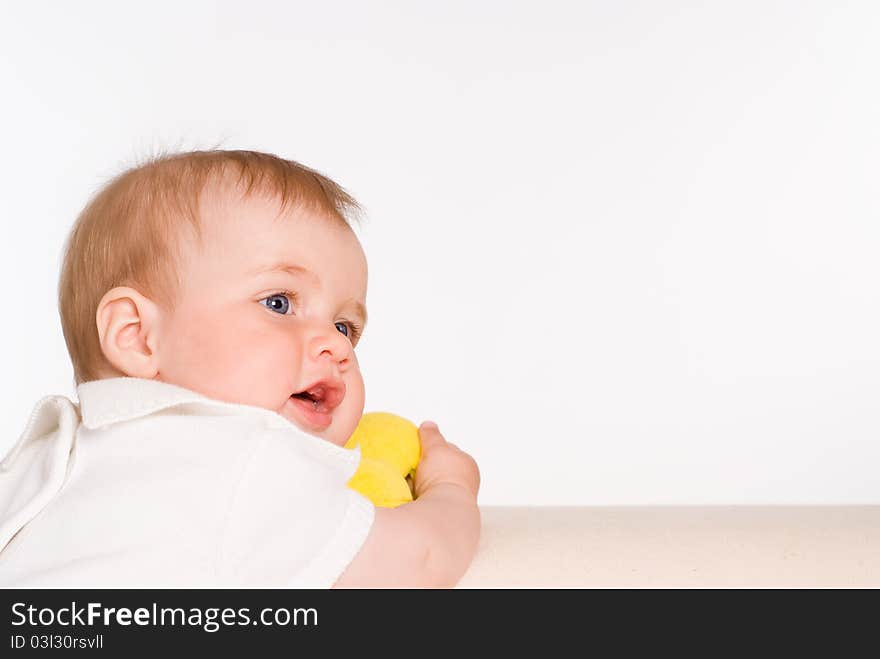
(51, 427)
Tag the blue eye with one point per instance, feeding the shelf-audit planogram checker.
(344, 326)
(278, 303)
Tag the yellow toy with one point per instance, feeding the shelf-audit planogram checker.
(390, 451)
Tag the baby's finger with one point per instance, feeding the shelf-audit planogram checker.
(429, 435)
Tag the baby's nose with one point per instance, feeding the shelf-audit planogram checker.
(330, 343)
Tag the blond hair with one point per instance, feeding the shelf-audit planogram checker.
(129, 232)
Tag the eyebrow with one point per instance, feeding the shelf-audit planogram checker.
(293, 269)
(289, 268)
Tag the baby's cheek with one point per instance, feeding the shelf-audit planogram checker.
(213, 358)
(188, 356)
(354, 409)
(260, 373)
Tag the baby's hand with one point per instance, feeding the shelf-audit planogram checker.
(442, 462)
(430, 542)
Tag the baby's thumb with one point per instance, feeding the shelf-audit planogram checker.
(429, 436)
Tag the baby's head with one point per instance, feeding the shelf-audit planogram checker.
(231, 273)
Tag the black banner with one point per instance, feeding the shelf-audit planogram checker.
(114, 621)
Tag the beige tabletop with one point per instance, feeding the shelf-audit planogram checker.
(678, 547)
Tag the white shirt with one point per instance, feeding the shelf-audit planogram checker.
(148, 484)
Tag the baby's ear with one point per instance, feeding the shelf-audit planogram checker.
(128, 332)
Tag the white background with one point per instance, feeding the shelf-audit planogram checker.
(622, 252)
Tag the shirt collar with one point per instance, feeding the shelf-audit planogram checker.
(111, 400)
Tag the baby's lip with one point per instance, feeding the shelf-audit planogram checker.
(329, 392)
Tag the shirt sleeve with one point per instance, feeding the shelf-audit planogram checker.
(292, 520)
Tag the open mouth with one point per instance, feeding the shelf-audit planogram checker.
(316, 401)
(314, 406)
(323, 396)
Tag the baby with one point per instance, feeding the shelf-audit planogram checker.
(212, 303)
